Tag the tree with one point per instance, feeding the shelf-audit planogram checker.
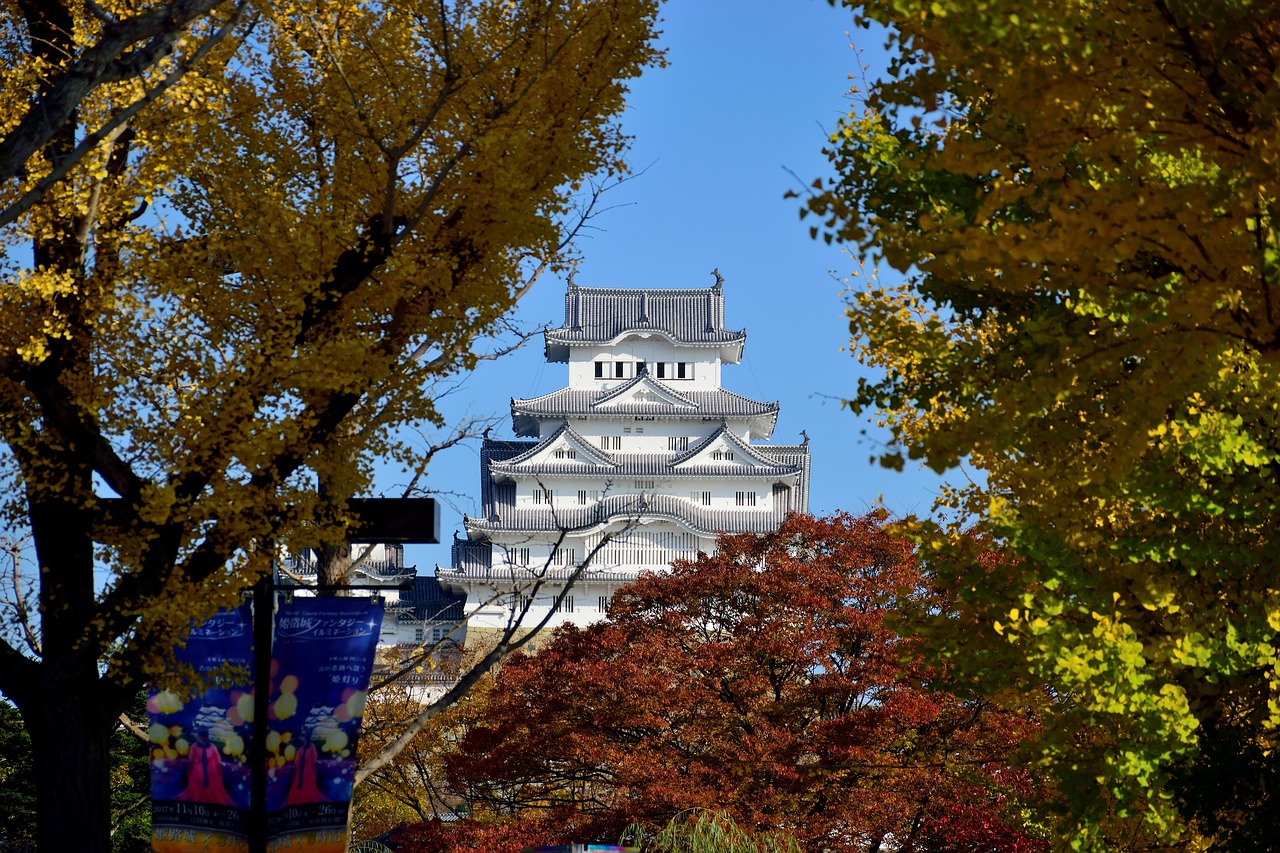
(233, 255)
(763, 681)
(130, 787)
(1081, 199)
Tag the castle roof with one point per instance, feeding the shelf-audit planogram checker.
(642, 396)
(427, 601)
(750, 460)
(600, 316)
(624, 509)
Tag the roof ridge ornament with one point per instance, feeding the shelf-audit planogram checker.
(577, 299)
(719, 279)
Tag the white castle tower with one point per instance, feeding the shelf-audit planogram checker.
(643, 447)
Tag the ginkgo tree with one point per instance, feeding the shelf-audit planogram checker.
(1080, 200)
(237, 238)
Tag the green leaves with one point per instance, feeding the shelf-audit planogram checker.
(1080, 200)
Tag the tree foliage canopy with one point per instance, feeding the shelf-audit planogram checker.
(238, 238)
(764, 682)
(1082, 200)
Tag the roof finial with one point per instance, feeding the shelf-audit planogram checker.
(806, 436)
(573, 273)
(719, 278)
(487, 430)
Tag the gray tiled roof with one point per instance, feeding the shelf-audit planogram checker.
(598, 315)
(797, 455)
(768, 463)
(621, 507)
(570, 402)
(492, 450)
(428, 600)
(594, 455)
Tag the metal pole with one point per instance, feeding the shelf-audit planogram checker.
(263, 595)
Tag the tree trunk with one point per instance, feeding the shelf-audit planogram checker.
(70, 742)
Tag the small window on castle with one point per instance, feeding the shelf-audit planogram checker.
(610, 442)
(678, 442)
(543, 496)
(644, 484)
(518, 556)
(703, 498)
(565, 605)
(602, 369)
(604, 604)
(582, 496)
(564, 453)
(419, 635)
(626, 430)
(682, 370)
(662, 370)
(619, 370)
(745, 498)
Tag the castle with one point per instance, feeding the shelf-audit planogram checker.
(642, 459)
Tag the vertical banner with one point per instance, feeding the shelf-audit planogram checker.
(321, 664)
(200, 778)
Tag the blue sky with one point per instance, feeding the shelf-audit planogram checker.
(739, 117)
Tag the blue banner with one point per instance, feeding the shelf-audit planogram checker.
(322, 660)
(200, 775)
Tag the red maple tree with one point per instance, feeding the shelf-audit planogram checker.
(764, 680)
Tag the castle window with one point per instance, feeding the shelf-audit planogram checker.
(610, 442)
(678, 442)
(745, 498)
(602, 369)
(604, 604)
(722, 454)
(703, 498)
(565, 605)
(644, 484)
(682, 370)
(564, 453)
(419, 635)
(563, 557)
(619, 370)
(582, 496)
(543, 496)
(518, 556)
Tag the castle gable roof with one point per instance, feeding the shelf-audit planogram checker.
(722, 450)
(565, 450)
(643, 391)
(647, 397)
